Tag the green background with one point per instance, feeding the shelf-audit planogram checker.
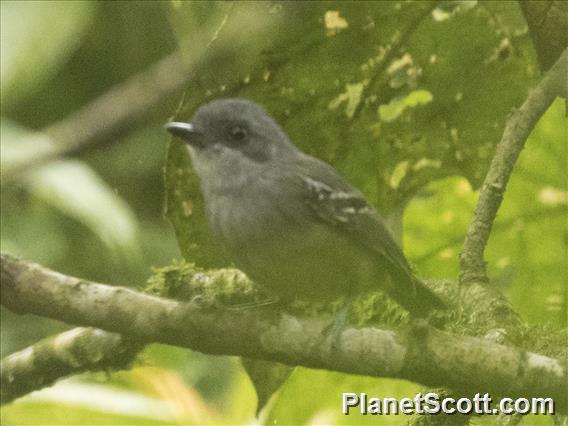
(407, 100)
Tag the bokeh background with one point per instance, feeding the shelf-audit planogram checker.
(406, 99)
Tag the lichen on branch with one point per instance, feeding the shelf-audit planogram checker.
(416, 352)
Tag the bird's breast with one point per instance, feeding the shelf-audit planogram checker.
(246, 215)
(283, 249)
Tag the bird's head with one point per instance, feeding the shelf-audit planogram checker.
(233, 130)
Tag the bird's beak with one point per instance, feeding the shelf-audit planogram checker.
(185, 131)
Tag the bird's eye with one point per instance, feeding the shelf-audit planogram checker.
(238, 133)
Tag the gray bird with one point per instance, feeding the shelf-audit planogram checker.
(289, 220)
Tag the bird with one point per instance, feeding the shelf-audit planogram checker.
(290, 221)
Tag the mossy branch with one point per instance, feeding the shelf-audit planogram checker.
(417, 352)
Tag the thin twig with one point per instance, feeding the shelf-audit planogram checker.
(113, 114)
(72, 352)
(517, 129)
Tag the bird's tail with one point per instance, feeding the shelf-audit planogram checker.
(414, 296)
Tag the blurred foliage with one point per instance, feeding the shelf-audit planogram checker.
(406, 99)
(527, 252)
(99, 215)
(32, 57)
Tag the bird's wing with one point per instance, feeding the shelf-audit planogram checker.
(320, 190)
(341, 206)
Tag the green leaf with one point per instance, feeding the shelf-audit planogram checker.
(73, 188)
(326, 408)
(70, 186)
(69, 403)
(266, 377)
(20, 146)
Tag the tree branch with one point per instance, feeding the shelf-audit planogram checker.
(419, 353)
(72, 352)
(112, 114)
(517, 129)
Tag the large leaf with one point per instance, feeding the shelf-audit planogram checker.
(325, 70)
(21, 146)
(75, 189)
(87, 404)
(71, 187)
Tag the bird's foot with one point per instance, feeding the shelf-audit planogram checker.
(333, 331)
(258, 304)
(419, 329)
